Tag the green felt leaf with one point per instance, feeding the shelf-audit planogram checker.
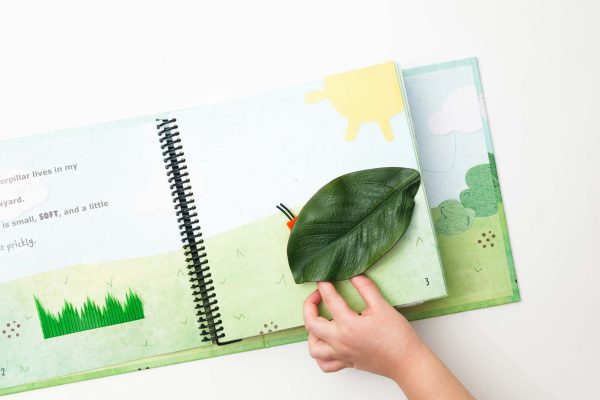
(352, 222)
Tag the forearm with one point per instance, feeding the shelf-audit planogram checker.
(423, 376)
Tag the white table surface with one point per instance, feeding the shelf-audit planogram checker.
(63, 64)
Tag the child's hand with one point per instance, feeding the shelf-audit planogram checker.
(379, 340)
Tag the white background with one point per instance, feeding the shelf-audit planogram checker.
(66, 64)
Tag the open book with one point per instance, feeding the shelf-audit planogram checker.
(155, 240)
(160, 234)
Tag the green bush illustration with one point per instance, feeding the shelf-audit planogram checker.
(454, 218)
(481, 194)
(91, 316)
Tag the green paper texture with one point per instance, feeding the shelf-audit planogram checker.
(70, 319)
(270, 296)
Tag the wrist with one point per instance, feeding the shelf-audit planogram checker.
(410, 361)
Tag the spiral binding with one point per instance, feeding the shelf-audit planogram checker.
(206, 304)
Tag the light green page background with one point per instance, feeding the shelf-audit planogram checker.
(257, 292)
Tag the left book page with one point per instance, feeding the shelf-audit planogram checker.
(92, 272)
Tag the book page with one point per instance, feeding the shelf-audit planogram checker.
(90, 255)
(459, 172)
(249, 155)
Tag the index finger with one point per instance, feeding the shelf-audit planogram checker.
(314, 323)
(311, 306)
(369, 292)
(334, 302)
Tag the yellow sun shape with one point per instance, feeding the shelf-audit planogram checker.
(370, 94)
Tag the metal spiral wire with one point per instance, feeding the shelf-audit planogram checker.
(206, 304)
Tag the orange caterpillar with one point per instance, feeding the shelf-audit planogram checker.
(290, 215)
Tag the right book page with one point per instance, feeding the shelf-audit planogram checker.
(459, 172)
(247, 156)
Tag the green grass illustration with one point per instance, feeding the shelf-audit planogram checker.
(91, 316)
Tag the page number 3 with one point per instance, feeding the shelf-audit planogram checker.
(426, 281)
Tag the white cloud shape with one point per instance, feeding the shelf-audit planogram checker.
(461, 112)
(156, 195)
(19, 192)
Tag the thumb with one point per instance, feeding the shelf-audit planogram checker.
(369, 292)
